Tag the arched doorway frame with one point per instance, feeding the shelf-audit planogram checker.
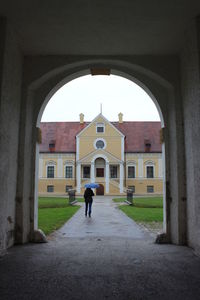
(95, 157)
(41, 90)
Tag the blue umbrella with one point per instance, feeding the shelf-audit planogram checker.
(91, 185)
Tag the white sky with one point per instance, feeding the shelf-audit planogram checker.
(85, 94)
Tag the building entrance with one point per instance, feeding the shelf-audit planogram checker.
(100, 190)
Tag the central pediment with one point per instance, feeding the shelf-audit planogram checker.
(99, 153)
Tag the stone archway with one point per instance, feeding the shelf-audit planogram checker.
(161, 92)
(140, 83)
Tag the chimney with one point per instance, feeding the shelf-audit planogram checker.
(120, 115)
(81, 118)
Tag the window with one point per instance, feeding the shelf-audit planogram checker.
(131, 187)
(86, 172)
(68, 172)
(99, 172)
(67, 188)
(100, 127)
(50, 188)
(50, 172)
(113, 171)
(150, 189)
(52, 145)
(131, 172)
(147, 144)
(150, 172)
(100, 144)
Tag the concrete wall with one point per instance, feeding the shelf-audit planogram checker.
(190, 63)
(10, 97)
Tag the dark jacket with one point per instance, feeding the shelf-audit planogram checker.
(88, 195)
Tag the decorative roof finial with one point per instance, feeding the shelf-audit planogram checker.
(101, 108)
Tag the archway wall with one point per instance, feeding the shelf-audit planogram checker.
(21, 101)
(190, 70)
(11, 61)
(161, 83)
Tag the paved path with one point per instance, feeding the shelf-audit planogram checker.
(106, 220)
(105, 257)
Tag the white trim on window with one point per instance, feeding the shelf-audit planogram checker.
(51, 163)
(150, 165)
(100, 125)
(72, 171)
(131, 164)
(99, 139)
(53, 171)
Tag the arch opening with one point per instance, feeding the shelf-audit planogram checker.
(102, 160)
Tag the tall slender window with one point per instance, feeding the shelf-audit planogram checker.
(68, 172)
(113, 171)
(150, 173)
(131, 172)
(50, 172)
(86, 172)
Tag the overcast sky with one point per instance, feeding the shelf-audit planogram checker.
(85, 95)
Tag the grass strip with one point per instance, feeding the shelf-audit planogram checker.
(50, 219)
(148, 202)
(143, 214)
(54, 202)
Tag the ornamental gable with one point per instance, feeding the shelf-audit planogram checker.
(100, 134)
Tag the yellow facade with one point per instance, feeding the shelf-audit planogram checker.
(100, 158)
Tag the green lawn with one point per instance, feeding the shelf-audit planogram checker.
(54, 202)
(54, 212)
(147, 209)
(151, 202)
(118, 200)
(140, 214)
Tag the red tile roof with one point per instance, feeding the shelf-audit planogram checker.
(137, 133)
(63, 134)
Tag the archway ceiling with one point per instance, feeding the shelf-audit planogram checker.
(96, 27)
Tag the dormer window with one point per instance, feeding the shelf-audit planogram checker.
(147, 144)
(100, 127)
(52, 146)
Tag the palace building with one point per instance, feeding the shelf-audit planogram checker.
(116, 155)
